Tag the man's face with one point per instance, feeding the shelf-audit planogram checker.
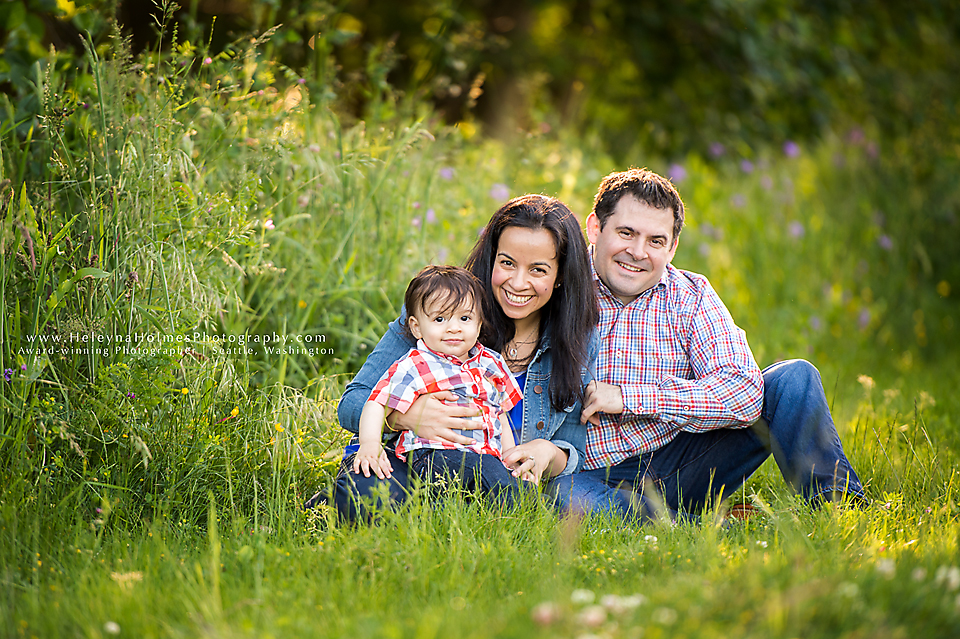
(632, 251)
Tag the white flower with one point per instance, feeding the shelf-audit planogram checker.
(762, 543)
(887, 568)
(111, 628)
(581, 596)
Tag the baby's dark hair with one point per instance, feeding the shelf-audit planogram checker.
(450, 285)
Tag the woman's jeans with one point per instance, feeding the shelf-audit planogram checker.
(696, 469)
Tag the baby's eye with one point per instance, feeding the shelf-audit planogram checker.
(439, 319)
(466, 318)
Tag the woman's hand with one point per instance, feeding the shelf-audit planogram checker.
(532, 460)
(372, 457)
(430, 417)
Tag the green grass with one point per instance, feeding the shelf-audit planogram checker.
(160, 491)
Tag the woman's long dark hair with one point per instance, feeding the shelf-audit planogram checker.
(570, 316)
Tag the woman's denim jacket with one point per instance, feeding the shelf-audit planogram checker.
(540, 420)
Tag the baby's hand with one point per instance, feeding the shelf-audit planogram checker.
(372, 457)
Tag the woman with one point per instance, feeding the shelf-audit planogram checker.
(540, 312)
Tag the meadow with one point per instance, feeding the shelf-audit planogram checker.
(198, 252)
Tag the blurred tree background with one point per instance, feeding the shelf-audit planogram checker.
(713, 80)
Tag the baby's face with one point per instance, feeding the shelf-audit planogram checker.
(444, 330)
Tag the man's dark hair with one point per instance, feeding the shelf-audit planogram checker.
(648, 187)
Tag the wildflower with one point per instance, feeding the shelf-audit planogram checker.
(131, 395)
(677, 173)
(650, 538)
(791, 149)
(208, 60)
(581, 596)
(499, 191)
(796, 229)
(303, 200)
(886, 568)
(738, 201)
(415, 222)
(416, 205)
(23, 367)
(446, 173)
(7, 374)
(314, 148)
(302, 303)
(815, 323)
(943, 290)
(301, 80)
(863, 321)
(592, 616)
(919, 574)
(766, 182)
(545, 613)
(856, 136)
(235, 411)
(665, 616)
(431, 216)
(948, 577)
(717, 149)
(112, 627)
(279, 428)
(746, 166)
(761, 543)
(885, 242)
(185, 391)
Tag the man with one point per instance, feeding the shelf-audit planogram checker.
(682, 414)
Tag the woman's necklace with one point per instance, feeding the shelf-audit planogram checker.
(512, 350)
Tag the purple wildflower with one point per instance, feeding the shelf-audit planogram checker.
(796, 229)
(766, 182)
(131, 395)
(446, 173)
(677, 173)
(746, 166)
(23, 367)
(815, 323)
(7, 374)
(499, 191)
(864, 319)
(856, 136)
(717, 149)
(301, 81)
(431, 216)
(207, 60)
(738, 201)
(791, 149)
(885, 242)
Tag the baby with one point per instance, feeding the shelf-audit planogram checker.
(443, 306)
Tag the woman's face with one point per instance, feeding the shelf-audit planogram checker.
(525, 271)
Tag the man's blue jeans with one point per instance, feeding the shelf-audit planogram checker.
(696, 469)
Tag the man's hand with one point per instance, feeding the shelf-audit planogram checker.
(430, 417)
(600, 398)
